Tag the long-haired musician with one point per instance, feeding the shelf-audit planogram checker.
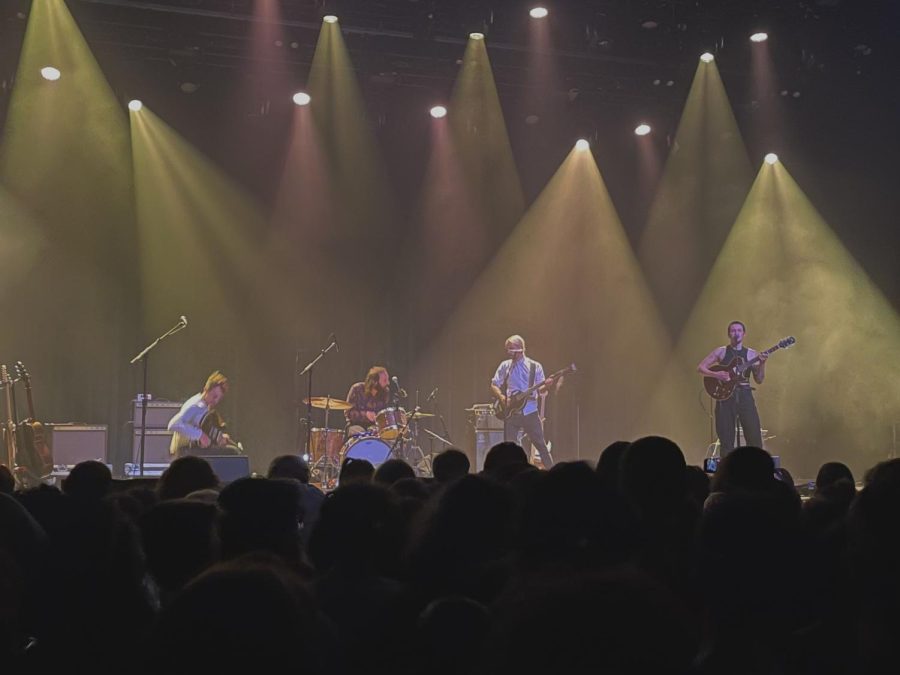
(187, 424)
(368, 398)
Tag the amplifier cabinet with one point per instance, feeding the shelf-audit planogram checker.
(158, 413)
(74, 443)
(156, 446)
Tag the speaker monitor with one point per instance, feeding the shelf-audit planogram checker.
(229, 467)
(74, 443)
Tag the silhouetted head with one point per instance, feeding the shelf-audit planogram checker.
(450, 465)
(261, 514)
(505, 454)
(831, 472)
(185, 475)
(391, 471)
(652, 475)
(289, 466)
(609, 462)
(356, 471)
(89, 480)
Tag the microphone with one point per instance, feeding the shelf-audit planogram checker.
(432, 395)
(183, 321)
(401, 392)
(334, 341)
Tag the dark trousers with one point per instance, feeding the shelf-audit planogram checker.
(742, 407)
(534, 432)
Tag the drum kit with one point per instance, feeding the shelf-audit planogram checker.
(393, 436)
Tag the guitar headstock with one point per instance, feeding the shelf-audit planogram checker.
(786, 342)
(4, 375)
(22, 372)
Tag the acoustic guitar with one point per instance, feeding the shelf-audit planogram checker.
(35, 453)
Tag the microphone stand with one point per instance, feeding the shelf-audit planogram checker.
(308, 370)
(142, 357)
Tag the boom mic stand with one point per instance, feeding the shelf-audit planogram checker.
(308, 370)
(142, 357)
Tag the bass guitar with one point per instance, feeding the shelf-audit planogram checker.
(35, 453)
(738, 370)
(516, 400)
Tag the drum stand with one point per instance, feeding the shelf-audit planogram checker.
(324, 467)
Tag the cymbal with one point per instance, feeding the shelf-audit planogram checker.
(328, 402)
(420, 414)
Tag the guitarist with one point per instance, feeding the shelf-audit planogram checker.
(518, 373)
(190, 436)
(740, 407)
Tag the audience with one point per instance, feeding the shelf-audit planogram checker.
(642, 565)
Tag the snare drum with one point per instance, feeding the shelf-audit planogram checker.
(366, 447)
(325, 443)
(390, 421)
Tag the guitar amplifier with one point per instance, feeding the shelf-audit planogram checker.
(158, 413)
(74, 443)
(156, 446)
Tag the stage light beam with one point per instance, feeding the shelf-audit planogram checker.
(706, 57)
(759, 37)
(301, 98)
(438, 112)
(538, 12)
(582, 144)
(771, 158)
(135, 105)
(642, 129)
(50, 73)
(329, 18)
(476, 36)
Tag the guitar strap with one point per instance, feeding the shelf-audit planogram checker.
(531, 375)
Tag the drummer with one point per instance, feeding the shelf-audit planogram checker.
(368, 399)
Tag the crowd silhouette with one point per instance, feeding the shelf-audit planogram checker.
(643, 564)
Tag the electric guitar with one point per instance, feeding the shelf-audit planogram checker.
(738, 370)
(516, 400)
(34, 452)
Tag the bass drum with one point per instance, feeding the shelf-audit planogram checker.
(370, 448)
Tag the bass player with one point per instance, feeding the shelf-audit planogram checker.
(515, 374)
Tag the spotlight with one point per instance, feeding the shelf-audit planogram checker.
(135, 105)
(759, 37)
(771, 158)
(476, 36)
(438, 111)
(642, 129)
(706, 57)
(582, 144)
(329, 18)
(50, 73)
(538, 12)
(302, 98)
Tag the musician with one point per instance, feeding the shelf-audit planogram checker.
(368, 398)
(740, 407)
(186, 422)
(518, 373)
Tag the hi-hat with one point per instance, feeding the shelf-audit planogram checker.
(328, 402)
